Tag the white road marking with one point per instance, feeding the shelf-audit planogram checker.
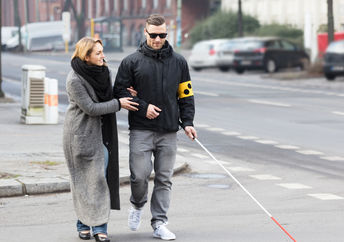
(264, 177)
(269, 103)
(248, 137)
(239, 168)
(338, 113)
(287, 147)
(326, 196)
(333, 158)
(216, 129)
(231, 133)
(207, 93)
(202, 125)
(182, 150)
(293, 186)
(267, 142)
(199, 156)
(309, 152)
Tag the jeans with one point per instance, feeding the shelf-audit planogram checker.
(163, 146)
(101, 229)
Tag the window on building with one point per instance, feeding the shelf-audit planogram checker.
(125, 4)
(168, 3)
(144, 3)
(155, 4)
(90, 9)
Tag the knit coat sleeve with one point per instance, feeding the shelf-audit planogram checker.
(79, 94)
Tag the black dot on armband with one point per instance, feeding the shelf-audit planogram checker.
(186, 91)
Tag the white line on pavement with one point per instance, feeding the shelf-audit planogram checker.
(325, 196)
(207, 93)
(266, 142)
(293, 186)
(231, 133)
(239, 168)
(269, 103)
(287, 147)
(202, 125)
(216, 129)
(309, 152)
(332, 158)
(199, 156)
(338, 113)
(248, 137)
(264, 177)
(182, 150)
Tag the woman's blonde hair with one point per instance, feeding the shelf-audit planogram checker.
(84, 47)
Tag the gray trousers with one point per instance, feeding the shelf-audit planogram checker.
(163, 146)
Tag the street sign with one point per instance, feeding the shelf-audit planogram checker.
(66, 21)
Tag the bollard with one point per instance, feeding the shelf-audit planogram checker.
(51, 114)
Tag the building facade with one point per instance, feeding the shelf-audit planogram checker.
(132, 14)
(307, 15)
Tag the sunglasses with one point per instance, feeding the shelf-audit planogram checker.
(153, 35)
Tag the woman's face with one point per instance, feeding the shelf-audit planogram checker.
(97, 56)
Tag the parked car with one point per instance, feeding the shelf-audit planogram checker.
(269, 54)
(39, 36)
(334, 60)
(7, 32)
(215, 53)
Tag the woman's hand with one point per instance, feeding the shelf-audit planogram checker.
(132, 91)
(127, 104)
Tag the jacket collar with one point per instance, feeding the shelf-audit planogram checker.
(164, 52)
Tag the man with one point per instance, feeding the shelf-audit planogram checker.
(164, 93)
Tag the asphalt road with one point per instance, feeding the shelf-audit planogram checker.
(283, 140)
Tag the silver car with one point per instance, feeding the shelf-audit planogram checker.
(217, 53)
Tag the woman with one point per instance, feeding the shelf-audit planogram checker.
(90, 139)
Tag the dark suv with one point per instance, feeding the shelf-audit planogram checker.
(334, 60)
(269, 54)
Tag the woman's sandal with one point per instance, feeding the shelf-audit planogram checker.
(101, 238)
(85, 235)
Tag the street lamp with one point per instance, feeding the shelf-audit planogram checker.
(240, 32)
(2, 94)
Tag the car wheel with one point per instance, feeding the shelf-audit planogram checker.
(196, 68)
(270, 66)
(224, 68)
(239, 70)
(330, 77)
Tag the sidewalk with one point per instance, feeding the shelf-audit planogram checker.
(32, 159)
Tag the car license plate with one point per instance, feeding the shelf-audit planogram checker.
(337, 68)
(245, 63)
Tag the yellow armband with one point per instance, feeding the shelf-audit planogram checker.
(185, 89)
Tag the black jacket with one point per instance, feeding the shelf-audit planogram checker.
(161, 77)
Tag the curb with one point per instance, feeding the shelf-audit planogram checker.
(33, 186)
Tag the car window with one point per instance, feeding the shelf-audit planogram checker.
(251, 44)
(273, 45)
(287, 46)
(336, 47)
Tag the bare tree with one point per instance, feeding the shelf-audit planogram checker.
(330, 23)
(2, 94)
(80, 19)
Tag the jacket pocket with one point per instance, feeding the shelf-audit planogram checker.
(82, 149)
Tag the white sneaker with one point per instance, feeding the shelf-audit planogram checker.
(163, 233)
(134, 218)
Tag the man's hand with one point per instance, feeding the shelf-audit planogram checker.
(152, 111)
(190, 132)
(132, 91)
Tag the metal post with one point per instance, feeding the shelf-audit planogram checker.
(179, 23)
(240, 31)
(330, 23)
(2, 94)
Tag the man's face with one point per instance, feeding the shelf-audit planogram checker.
(158, 42)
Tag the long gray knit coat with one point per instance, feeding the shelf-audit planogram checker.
(93, 193)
